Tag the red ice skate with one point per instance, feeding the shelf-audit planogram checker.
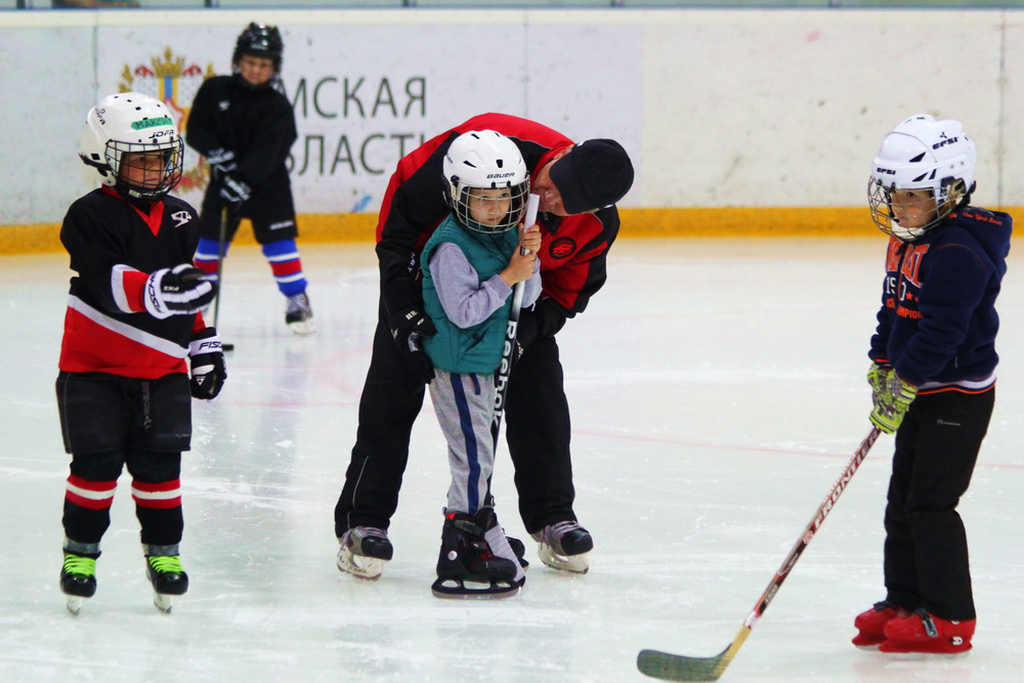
(924, 632)
(871, 624)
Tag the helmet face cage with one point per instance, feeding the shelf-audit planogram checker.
(515, 195)
(923, 172)
(134, 124)
(937, 204)
(485, 160)
(171, 155)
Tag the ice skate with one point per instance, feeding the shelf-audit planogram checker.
(299, 314)
(168, 578)
(925, 633)
(871, 624)
(467, 566)
(565, 546)
(77, 580)
(363, 552)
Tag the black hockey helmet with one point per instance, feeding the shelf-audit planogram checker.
(260, 40)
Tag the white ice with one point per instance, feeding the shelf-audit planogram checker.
(717, 390)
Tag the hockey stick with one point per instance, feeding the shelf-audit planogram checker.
(671, 667)
(220, 269)
(532, 204)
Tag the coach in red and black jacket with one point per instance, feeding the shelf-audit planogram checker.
(578, 186)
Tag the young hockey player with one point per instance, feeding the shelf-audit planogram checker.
(932, 376)
(578, 185)
(470, 265)
(123, 387)
(244, 126)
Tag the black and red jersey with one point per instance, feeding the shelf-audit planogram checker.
(114, 246)
(574, 248)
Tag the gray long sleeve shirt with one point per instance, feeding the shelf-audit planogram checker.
(466, 300)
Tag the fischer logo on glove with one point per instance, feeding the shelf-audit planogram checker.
(178, 291)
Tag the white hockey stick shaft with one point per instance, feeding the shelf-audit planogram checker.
(532, 205)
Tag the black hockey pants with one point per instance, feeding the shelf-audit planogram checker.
(926, 559)
(537, 419)
(109, 423)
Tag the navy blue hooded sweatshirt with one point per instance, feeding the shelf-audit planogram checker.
(937, 324)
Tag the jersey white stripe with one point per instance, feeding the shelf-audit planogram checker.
(156, 495)
(145, 338)
(117, 286)
(89, 493)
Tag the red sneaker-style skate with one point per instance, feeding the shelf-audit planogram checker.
(871, 624)
(923, 632)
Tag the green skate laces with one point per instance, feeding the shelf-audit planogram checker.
(165, 564)
(76, 564)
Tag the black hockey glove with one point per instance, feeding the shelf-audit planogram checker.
(222, 162)
(544, 318)
(177, 291)
(207, 359)
(234, 190)
(408, 328)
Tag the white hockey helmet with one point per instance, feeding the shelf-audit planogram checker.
(487, 160)
(132, 123)
(922, 154)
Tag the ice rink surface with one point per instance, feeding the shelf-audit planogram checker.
(717, 390)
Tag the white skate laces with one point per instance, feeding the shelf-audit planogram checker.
(564, 546)
(363, 552)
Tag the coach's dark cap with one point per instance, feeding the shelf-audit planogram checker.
(594, 174)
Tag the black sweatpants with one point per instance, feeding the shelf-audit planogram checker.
(537, 424)
(926, 559)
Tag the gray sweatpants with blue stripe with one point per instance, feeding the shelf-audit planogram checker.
(464, 404)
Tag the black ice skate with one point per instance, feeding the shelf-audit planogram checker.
(299, 314)
(363, 552)
(168, 579)
(78, 580)
(565, 546)
(519, 550)
(466, 566)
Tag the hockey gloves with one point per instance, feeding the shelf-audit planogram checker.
(177, 291)
(408, 328)
(878, 378)
(234, 190)
(222, 162)
(891, 397)
(207, 360)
